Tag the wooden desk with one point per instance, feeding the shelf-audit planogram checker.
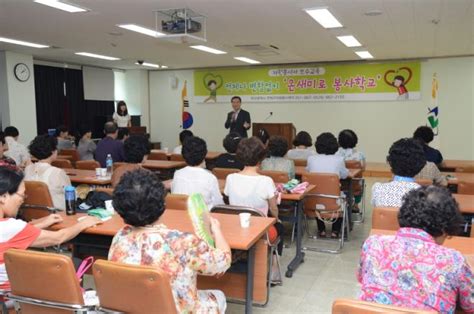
(96, 241)
(451, 165)
(79, 176)
(377, 169)
(165, 168)
(300, 170)
(462, 244)
(466, 203)
(210, 155)
(456, 177)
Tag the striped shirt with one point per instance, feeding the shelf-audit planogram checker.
(14, 234)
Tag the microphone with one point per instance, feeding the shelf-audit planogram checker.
(268, 117)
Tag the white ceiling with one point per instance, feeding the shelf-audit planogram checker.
(404, 30)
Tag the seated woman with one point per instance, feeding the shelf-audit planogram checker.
(228, 160)
(139, 200)
(347, 140)
(18, 234)
(195, 178)
(303, 144)
(406, 159)
(183, 135)
(43, 148)
(278, 147)
(412, 268)
(326, 161)
(65, 141)
(249, 188)
(86, 146)
(4, 160)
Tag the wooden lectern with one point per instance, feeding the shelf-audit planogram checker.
(287, 130)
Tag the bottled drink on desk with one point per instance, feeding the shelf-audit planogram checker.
(109, 164)
(70, 197)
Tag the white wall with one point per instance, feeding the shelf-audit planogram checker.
(136, 94)
(18, 103)
(378, 124)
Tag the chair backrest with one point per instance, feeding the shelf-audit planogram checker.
(120, 171)
(354, 164)
(277, 176)
(157, 156)
(62, 163)
(37, 202)
(176, 201)
(466, 188)
(87, 164)
(468, 169)
(424, 182)
(349, 306)
(235, 210)
(133, 289)
(300, 162)
(70, 152)
(42, 276)
(385, 218)
(222, 173)
(118, 164)
(326, 184)
(177, 157)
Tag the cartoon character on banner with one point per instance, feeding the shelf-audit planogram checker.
(212, 83)
(186, 117)
(399, 81)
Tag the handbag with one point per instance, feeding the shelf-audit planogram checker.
(83, 268)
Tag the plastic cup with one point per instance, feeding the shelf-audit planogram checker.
(166, 150)
(103, 172)
(98, 172)
(244, 220)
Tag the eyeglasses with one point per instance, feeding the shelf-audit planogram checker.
(23, 196)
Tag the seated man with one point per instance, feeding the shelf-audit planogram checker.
(109, 145)
(425, 135)
(195, 178)
(406, 158)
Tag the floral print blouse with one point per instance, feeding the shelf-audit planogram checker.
(411, 270)
(181, 255)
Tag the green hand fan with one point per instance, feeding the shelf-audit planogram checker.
(200, 217)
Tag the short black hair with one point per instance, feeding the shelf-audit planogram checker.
(2, 137)
(120, 104)
(122, 132)
(236, 97)
(303, 138)
(251, 151)
(194, 150)
(424, 133)
(326, 143)
(183, 135)
(231, 141)
(43, 146)
(110, 127)
(400, 78)
(10, 180)
(278, 146)
(263, 136)
(406, 157)
(61, 129)
(11, 131)
(139, 198)
(347, 139)
(432, 209)
(135, 148)
(210, 82)
(83, 130)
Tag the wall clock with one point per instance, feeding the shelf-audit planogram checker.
(22, 72)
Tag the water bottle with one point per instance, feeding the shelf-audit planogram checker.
(109, 164)
(70, 197)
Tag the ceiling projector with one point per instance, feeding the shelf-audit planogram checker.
(180, 24)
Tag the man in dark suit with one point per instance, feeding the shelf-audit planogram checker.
(238, 120)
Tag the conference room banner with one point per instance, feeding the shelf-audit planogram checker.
(340, 82)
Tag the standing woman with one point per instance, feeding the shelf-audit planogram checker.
(121, 116)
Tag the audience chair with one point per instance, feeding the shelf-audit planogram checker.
(350, 306)
(118, 164)
(277, 176)
(300, 162)
(222, 173)
(70, 152)
(235, 210)
(43, 283)
(176, 201)
(385, 218)
(3, 305)
(38, 202)
(326, 203)
(62, 163)
(87, 164)
(466, 188)
(132, 289)
(158, 156)
(121, 170)
(176, 157)
(358, 187)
